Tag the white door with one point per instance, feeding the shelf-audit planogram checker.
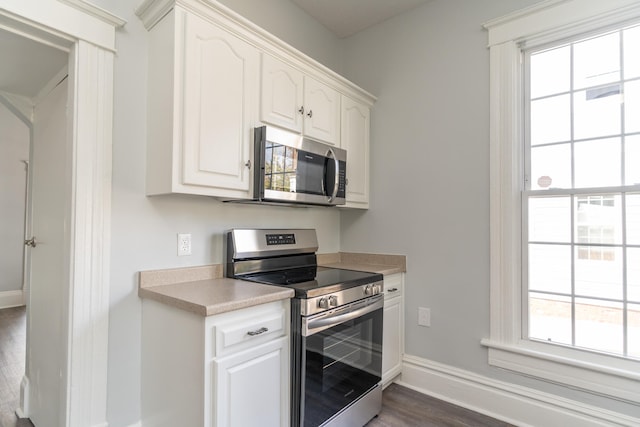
(45, 325)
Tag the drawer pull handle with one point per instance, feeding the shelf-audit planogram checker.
(258, 331)
(393, 290)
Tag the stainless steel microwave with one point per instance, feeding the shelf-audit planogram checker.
(292, 169)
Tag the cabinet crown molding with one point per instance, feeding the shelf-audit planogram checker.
(151, 12)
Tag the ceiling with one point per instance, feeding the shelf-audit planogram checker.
(347, 17)
(27, 66)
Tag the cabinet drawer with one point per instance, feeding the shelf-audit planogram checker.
(241, 333)
(392, 285)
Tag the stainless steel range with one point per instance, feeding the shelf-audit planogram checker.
(336, 317)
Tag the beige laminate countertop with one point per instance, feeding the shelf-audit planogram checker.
(372, 268)
(203, 290)
(374, 263)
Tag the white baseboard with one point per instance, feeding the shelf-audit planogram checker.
(518, 405)
(11, 299)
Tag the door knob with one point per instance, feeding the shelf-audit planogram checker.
(31, 242)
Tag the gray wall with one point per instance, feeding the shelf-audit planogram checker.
(430, 132)
(144, 228)
(14, 148)
(430, 175)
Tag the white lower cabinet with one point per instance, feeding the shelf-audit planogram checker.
(230, 369)
(251, 386)
(393, 328)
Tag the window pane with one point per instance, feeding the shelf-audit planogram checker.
(550, 120)
(631, 40)
(599, 219)
(597, 61)
(633, 332)
(597, 163)
(632, 160)
(550, 268)
(550, 219)
(551, 167)
(633, 274)
(597, 112)
(550, 72)
(598, 272)
(632, 106)
(633, 219)
(550, 318)
(599, 325)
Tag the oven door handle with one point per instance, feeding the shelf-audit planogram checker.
(315, 325)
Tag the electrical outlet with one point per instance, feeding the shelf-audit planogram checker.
(184, 244)
(424, 316)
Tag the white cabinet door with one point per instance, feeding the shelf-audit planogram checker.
(298, 102)
(221, 83)
(392, 328)
(252, 386)
(391, 339)
(355, 139)
(322, 115)
(282, 101)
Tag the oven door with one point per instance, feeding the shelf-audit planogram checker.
(341, 358)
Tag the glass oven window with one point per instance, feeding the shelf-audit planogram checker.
(342, 363)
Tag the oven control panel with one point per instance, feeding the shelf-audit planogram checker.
(281, 239)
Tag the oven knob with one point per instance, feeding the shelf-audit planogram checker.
(368, 290)
(323, 302)
(333, 301)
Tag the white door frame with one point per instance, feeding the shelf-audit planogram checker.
(88, 34)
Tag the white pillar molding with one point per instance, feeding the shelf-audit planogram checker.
(91, 70)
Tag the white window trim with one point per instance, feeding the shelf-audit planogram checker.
(544, 22)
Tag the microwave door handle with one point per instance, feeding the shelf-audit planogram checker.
(336, 181)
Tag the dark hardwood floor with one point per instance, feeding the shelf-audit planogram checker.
(403, 407)
(12, 358)
(400, 406)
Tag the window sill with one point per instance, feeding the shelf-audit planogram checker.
(599, 374)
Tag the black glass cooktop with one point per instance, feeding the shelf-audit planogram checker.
(314, 281)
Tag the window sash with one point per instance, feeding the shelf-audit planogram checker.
(508, 36)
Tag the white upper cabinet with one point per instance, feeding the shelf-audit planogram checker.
(322, 112)
(299, 102)
(355, 139)
(220, 92)
(282, 94)
(203, 91)
(213, 77)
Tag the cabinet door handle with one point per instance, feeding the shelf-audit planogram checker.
(310, 113)
(258, 331)
(393, 290)
(248, 164)
(301, 110)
